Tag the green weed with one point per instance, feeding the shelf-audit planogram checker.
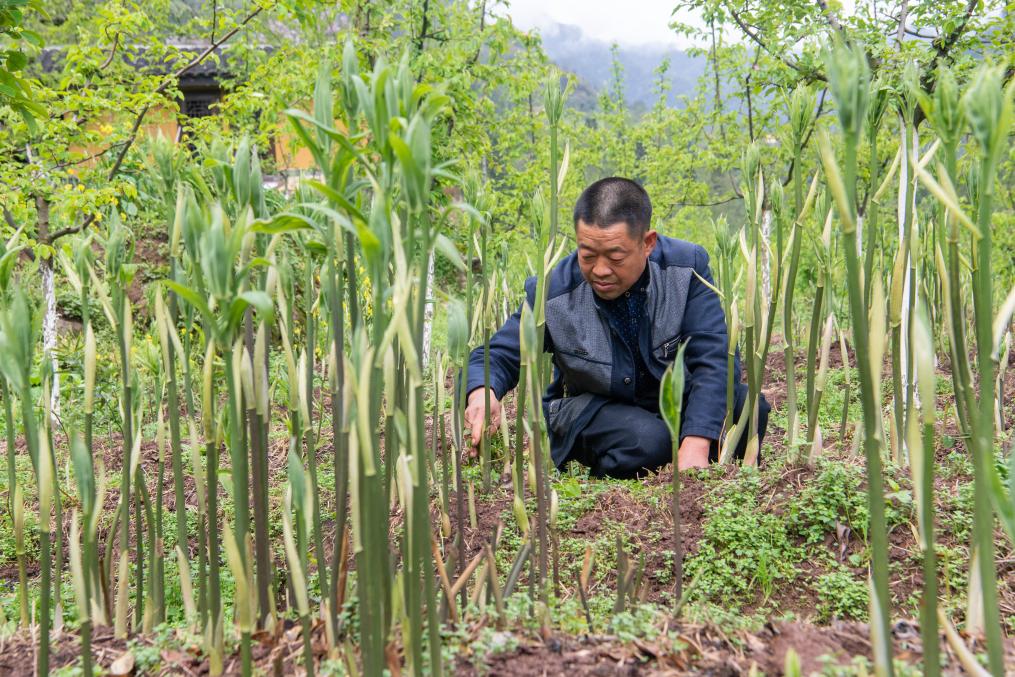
(841, 596)
(743, 548)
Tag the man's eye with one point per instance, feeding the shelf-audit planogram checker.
(617, 259)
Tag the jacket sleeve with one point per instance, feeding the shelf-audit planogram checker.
(704, 327)
(505, 353)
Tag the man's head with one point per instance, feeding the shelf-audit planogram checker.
(611, 220)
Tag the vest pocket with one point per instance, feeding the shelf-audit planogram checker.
(669, 348)
(581, 374)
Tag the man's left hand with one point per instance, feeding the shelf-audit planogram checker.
(693, 452)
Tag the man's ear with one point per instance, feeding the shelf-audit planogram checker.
(651, 238)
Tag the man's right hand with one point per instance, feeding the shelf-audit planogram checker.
(475, 415)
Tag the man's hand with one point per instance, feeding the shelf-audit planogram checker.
(693, 452)
(475, 414)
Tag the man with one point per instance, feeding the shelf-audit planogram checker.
(616, 311)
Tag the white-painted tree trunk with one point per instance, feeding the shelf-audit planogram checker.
(428, 315)
(766, 270)
(49, 337)
(909, 150)
(859, 239)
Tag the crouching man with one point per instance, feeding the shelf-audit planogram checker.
(616, 311)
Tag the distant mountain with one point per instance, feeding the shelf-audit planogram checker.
(589, 59)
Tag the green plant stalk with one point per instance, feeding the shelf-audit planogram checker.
(256, 427)
(5, 394)
(812, 353)
(239, 473)
(871, 214)
(203, 591)
(301, 542)
(18, 513)
(900, 389)
(422, 531)
(519, 469)
(983, 440)
(339, 436)
(726, 284)
(459, 433)
(139, 589)
(929, 606)
(848, 393)
(214, 606)
(159, 569)
(152, 588)
(84, 472)
(128, 434)
(622, 566)
(176, 445)
(965, 398)
(440, 435)
(59, 558)
(897, 387)
(106, 580)
(90, 564)
(484, 454)
(310, 441)
(373, 558)
(872, 440)
(537, 372)
(541, 498)
(12, 483)
(671, 404)
(46, 560)
(789, 354)
(418, 537)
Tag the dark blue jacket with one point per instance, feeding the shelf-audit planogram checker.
(593, 365)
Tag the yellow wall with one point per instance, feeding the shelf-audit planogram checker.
(163, 120)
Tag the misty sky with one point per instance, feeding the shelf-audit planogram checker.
(628, 22)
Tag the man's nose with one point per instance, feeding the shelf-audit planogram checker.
(600, 270)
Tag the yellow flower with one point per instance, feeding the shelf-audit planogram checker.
(106, 129)
(81, 188)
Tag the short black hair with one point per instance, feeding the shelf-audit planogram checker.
(615, 200)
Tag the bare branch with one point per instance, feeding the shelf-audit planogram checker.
(756, 38)
(53, 237)
(830, 17)
(731, 198)
(9, 218)
(112, 52)
(942, 50)
(163, 86)
(903, 15)
(95, 156)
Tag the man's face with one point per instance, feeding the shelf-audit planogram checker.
(612, 259)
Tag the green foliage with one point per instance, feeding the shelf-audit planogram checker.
(841, 596)
(744, 549)
(15, 89)
(833, 497)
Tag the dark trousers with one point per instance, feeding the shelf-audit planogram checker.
(624, 441)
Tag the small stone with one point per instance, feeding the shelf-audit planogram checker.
(123, 665)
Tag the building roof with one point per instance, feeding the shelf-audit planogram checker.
(207, 74)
